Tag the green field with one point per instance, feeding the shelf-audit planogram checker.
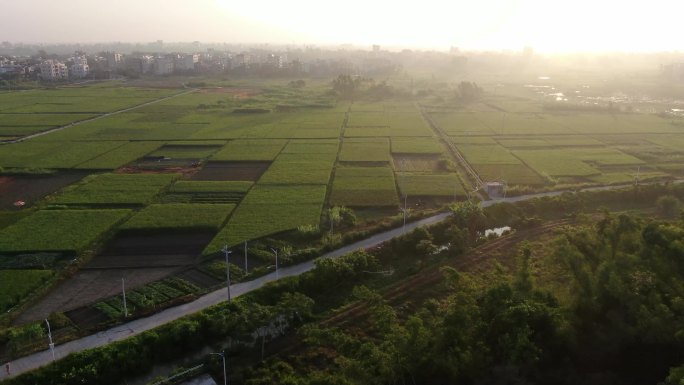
(365, 150)
(58, 230)
(300, 168)
(179, 216)
(363, 187)
(120, 156)
(16, 284)
(115, 189)
(186, 186)
(249, 149)
(446, 185)
(269, 210)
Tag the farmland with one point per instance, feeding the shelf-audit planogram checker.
(112, 189)
(364, 186)
(179, 216)
(59, 230)
(165, 186)
(16, 284)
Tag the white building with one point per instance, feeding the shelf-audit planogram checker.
(79, 68)
(114, 60)
(52, 70)
(147, 64)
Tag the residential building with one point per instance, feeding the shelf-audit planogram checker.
(186, 62)
(52, 70)
(164, 66)
(79, 68)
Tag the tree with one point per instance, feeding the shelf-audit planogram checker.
(468, 91)
(668, 206)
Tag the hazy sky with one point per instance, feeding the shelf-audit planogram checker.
(546, 25)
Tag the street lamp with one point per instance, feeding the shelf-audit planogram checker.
(51, 344)
(123, 290)
(223, 356)
(275, 251)
(227, 253)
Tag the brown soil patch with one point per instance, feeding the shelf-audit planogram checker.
(90, 286)
(186, 171)
(140, 259)
(199, 278)
(32, 188)
(222, 171)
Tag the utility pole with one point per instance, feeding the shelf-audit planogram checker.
(245, 257)
(403, 229)
(330, 214)
(123, 290)
(275, 251)
(50, 344)
(225, 374)
(227, 253)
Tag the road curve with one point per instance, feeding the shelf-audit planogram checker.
(140, 325)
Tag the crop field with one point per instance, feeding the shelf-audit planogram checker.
(365, 150)
(367, 119)
(129, 189)
(52, 154)
(185, 151)
(487, 154)
(119, 156)
(408, 124)
(300, 169)
(78, 100)
(58, 230)
(473, 140)
(512, 174)
(186, 186)
(616, 123)
(249, 149)
(269, 210)
(366, 132)
(416, 146)
(313, 146)
(16, 284)
(364, 187)
(17, 125)
(179, 216)
(461, 123)
(553, 163)
(436, 185)
(418, 163)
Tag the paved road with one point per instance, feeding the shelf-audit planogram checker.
(27, 137)
(138, 326)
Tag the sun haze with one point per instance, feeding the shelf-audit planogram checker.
(552, 26)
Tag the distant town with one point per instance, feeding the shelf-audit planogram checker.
(157, 61)
(76, 62)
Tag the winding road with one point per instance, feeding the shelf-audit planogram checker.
(140, 325)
